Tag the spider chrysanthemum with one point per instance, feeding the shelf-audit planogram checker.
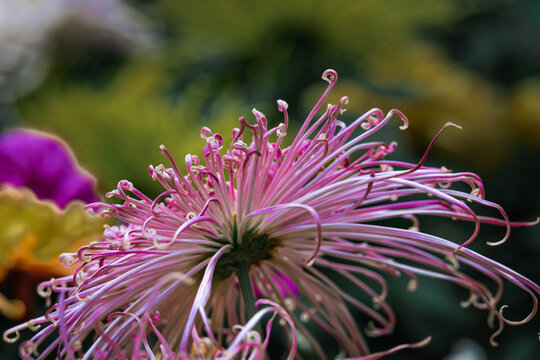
(257, 219)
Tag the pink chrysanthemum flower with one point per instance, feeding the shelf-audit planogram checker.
(257, 215)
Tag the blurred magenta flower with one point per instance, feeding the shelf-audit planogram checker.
(281, 219)
(44, 164)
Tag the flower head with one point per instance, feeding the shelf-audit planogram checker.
(257, 214)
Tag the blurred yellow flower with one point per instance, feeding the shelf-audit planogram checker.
(33, 233)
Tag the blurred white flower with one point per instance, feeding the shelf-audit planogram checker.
(28, 26)
(466, 349)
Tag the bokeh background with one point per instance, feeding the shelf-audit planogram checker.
(115, 79)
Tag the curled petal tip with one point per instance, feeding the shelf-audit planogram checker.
(282, 105)
(492, 341)
(422, 343)
(452, 124)
(343, 102)
(330, 76)
(519, 322)
(403, 118)
(91, 212)
(160, 245)
(84, 299)
(497, 243)
(32, 326)
(8, 339)
(68, 260)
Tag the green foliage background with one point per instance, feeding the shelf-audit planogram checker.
(475, 63)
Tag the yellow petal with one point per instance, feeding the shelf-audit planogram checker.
(33, 232)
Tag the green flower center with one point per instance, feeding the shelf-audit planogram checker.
(249, 250)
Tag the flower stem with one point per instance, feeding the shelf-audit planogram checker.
(242, 271)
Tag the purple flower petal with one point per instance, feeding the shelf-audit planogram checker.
(44, 164)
